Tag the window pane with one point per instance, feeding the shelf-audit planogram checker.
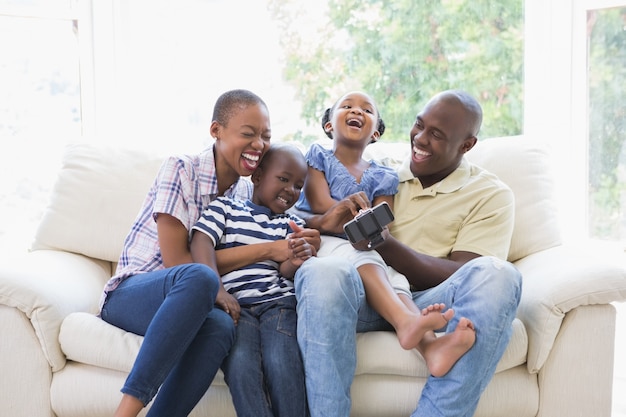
(403, 52)
(607, 122)
(39, 113)
(301, 55)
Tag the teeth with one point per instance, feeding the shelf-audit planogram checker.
(283, 200)
(420, 152)
(252, 157)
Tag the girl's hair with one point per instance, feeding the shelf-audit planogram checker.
(329, 111)
(231, 101)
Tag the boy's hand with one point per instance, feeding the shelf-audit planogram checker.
(311, 236)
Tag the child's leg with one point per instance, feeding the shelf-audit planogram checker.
(243, 369)
(282, 363)
(441, 353)
(409, 324)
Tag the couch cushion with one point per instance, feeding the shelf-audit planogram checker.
(86, 338)
(82, 337)
(97, 194)
(524, 165)
(380, 353)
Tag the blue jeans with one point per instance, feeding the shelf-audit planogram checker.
(264, 370)
(185, 338)
(331, 305)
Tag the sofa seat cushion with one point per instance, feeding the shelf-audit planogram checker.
(379, 353)
(88, 339)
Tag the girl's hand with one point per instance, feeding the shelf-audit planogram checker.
(228, 303)
(357, 202)
(342, 212)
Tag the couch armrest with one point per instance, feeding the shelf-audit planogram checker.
(48, 285)
(560, 279)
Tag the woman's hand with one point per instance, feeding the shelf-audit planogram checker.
(228, 303)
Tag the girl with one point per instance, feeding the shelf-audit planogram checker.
(340, 174)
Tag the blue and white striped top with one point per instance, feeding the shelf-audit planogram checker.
(230, 223)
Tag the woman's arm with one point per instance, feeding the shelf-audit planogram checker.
(231, 259)
(173, 239)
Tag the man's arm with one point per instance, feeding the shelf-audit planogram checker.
(422, 271)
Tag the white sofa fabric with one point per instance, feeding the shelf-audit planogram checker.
(58, 359)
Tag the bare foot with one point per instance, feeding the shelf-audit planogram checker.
(443, 352)
(412, 330)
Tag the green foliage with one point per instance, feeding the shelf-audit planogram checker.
(607, 119)
(404, 51)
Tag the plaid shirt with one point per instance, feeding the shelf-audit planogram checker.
(183, 188)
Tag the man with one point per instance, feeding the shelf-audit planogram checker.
(450, 239)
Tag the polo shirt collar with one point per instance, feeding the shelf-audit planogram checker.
(453, 182)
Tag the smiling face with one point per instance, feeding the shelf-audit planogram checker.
(354, 118)
(280, 178)
(443, 132)
(242, 141)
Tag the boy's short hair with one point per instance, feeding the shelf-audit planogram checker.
(232, 100)
(281, 147)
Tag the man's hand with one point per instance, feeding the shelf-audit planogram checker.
(367, 245)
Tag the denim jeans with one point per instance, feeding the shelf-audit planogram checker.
(331, 306)
(185, 338)
(264, 370)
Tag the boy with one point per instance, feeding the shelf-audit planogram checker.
(255, 371)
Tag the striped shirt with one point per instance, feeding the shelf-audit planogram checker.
(231, 223)
(183, 188)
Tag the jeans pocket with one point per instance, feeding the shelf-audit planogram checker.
(287, 321)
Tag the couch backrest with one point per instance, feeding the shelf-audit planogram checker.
(96, 197)
(524, 164)
(99, 192)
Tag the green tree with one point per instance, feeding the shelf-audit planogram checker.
(404, 51)
(607, 119)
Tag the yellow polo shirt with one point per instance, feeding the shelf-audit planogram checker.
(470, 210)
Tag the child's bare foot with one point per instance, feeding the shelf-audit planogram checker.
(443, 352)
(411, 332)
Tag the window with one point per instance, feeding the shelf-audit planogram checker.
(145, 73)
(40, 106)
(606, 119)
(572, 65)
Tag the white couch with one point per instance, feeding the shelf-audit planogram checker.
(58, 358)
